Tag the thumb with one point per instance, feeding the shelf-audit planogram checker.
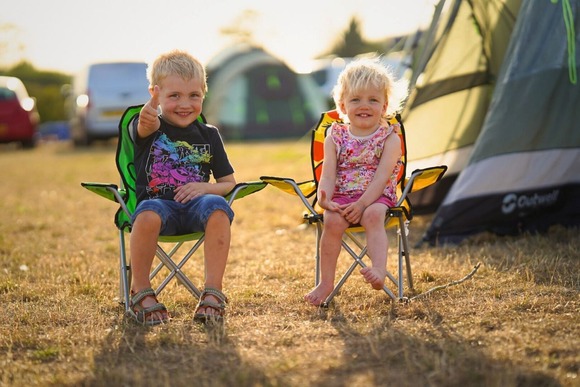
(322, 195)
(154, 101)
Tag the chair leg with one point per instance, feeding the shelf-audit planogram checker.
(403, 253)
(357, 262)
(161, 265)
(124, 274)
(403, 247)
(318, 236)
(400, 267)
(165, 261)
(405, 241)
(340, 283)
(175, 270)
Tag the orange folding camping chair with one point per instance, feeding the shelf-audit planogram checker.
(353, 241)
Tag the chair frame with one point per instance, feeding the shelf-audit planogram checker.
(121, 195)
(398, 216)
(166, 258)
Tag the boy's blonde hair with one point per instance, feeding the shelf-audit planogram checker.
(369, 72)
(176, 63)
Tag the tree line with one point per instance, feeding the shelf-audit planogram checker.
(47, 86)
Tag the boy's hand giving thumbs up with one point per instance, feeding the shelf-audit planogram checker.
(148, 119)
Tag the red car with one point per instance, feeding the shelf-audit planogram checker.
(18, 115)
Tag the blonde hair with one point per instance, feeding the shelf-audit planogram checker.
(176, 63)
(370, 72)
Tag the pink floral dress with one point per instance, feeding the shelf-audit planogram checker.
(357, 162)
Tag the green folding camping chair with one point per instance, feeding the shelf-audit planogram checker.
(353, 241)
(125, 195)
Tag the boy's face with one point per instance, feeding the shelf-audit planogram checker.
(180, 100)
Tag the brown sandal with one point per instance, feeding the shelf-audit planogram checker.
(203, 303)
(141, 314)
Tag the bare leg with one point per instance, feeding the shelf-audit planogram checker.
(143, 248)
(373, 221)
(216, 250)
(330, 245)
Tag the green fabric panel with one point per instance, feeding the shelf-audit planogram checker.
(518, 124)
(449, 122)
(447, 108)
(496, 21)
(180, 238)
(100, 189)
(534, 105)
(125, 165)
(250, 188)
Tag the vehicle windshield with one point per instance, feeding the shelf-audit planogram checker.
(128, 76)
(6, 94)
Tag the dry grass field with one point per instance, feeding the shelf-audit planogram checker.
(514, 323)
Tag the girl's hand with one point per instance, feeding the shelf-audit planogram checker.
(326, 203)
(353, 212)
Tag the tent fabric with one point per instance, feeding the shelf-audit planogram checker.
(523, 173)
(254, 95)
(459, 65)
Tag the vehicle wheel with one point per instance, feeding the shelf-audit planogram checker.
(83, 141)
(28, 144)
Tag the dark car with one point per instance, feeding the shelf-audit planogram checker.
(18, 115)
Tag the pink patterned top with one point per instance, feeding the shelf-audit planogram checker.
(358, 159)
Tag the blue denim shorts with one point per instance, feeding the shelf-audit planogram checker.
(184, 218)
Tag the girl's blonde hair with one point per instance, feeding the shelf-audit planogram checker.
(363, 73)
(176, 63)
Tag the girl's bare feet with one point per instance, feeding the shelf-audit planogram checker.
(319, 294)
(374, 276)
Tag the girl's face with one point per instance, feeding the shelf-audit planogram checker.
(180, 100)
(364, 109)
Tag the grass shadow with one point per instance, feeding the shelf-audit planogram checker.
(384, 353)
(180, 353)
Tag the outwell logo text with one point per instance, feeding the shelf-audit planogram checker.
(512, 201)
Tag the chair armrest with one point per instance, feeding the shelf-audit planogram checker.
(303, 190)
(244, 189)
(423, 178)
(106, 190)
(290, 186)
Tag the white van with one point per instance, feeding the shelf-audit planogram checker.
(100, 95)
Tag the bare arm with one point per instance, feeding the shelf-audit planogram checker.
(328, 176)
(148, 119)
(222, 186)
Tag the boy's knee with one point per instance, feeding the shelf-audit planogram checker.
(219, 215)
(217, 209)
(150, 218)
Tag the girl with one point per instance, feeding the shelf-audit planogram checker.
(359, 174)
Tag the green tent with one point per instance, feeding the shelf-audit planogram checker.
(254, 95)
(497, 101)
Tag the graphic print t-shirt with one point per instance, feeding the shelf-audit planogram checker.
(172, 157)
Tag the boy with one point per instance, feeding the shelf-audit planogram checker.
(174, 157)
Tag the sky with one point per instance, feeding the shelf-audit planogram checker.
(66, 35)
